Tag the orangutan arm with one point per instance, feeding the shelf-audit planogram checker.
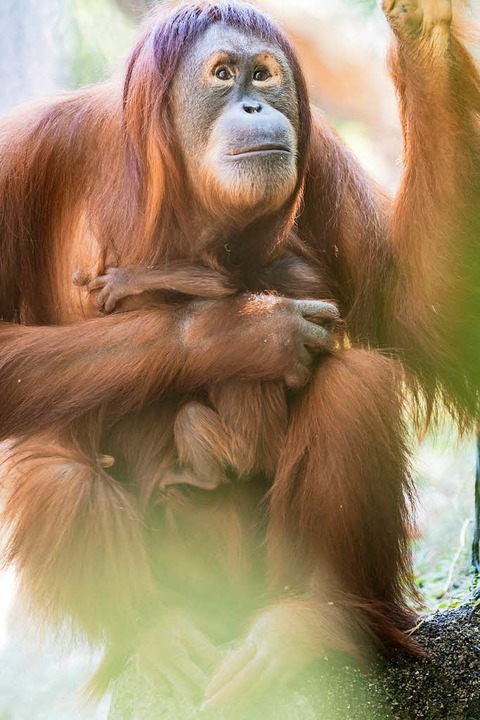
(118, 283)
(407, 271)
(50, 375)
(433, 225)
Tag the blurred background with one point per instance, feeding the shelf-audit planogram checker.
(50, 46)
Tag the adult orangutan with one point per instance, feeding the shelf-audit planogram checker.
(210, 156)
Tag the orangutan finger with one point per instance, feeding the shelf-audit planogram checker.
(230, 667)
(97, 283)
(81, 277)
(238, 686)
(202, 647)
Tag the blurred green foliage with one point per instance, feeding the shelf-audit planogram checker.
(102, 38)
(444, 472)
(366, 5)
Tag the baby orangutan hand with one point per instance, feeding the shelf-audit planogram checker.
(118, 283)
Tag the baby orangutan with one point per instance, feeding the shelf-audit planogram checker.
(234, 430)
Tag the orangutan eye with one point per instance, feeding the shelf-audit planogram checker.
(261, 74)
(223, 73)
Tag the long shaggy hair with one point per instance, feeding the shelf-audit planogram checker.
(96, 179)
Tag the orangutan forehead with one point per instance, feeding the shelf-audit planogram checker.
(235, 45)
(228, 56)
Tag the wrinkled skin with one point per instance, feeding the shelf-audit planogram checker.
(236, 117)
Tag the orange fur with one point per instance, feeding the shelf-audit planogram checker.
(94, 180)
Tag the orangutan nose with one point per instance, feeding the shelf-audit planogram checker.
(252, 107)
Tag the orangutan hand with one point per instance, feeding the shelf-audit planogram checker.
(117, 283)
(281, 643)
(176, 652)
(261, 337)
(417, 17)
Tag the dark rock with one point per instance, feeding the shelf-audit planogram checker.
(443, 686)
